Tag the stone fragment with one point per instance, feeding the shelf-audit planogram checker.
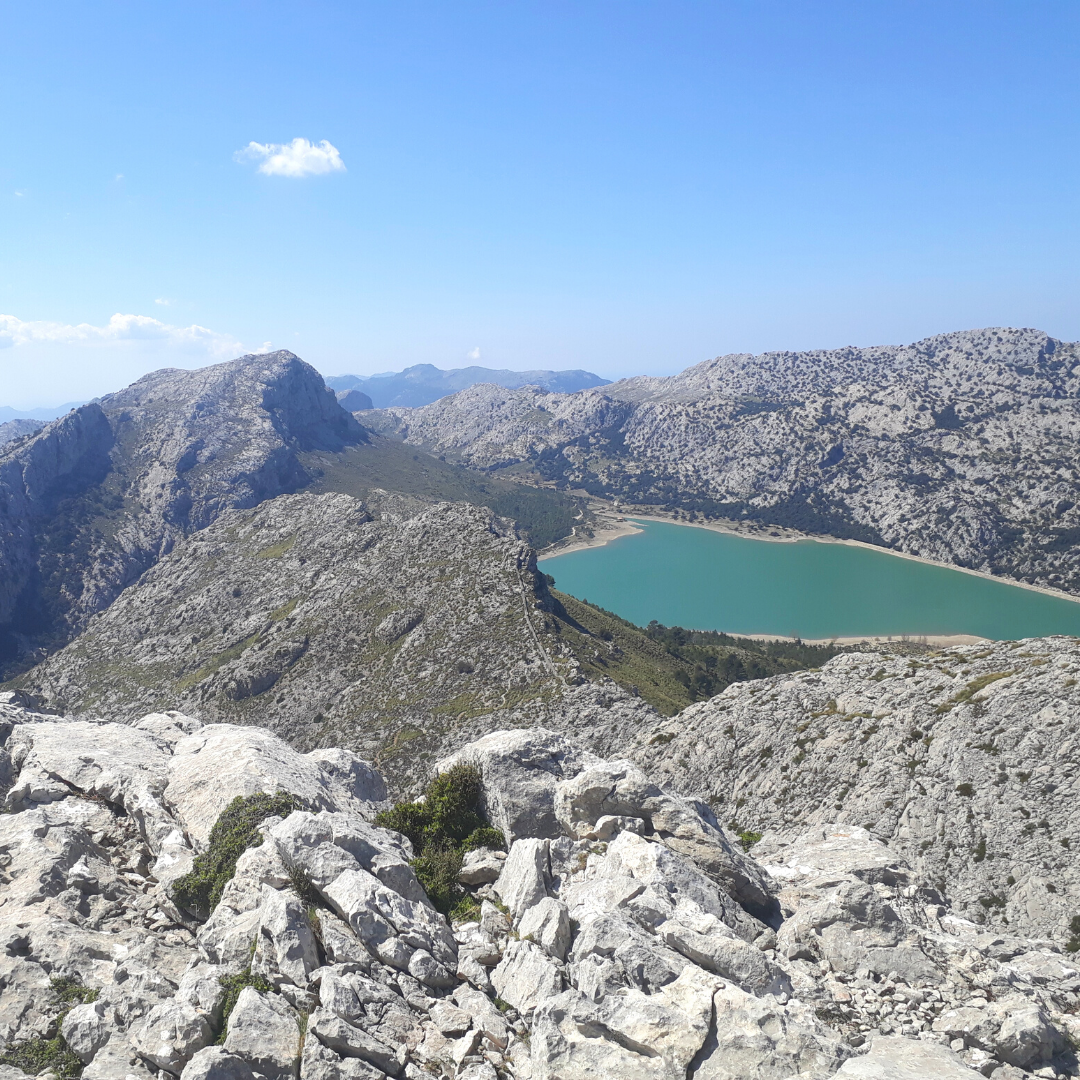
(523, 881)
(349, 1040)
(86, 1030)
(481, 866)
(285, 946)
(547, 923)
(171, 1034)
(319, 1062)
(264, 1030)
(526, 976)
(216, 1063)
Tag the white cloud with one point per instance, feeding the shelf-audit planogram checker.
(162, 301)
(120, 328)
(298, 158)
(474, 354)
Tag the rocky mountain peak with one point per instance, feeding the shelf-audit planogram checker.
(94, 498)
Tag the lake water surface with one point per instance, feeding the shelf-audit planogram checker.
(705, 580)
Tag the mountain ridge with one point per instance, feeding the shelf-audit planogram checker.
(422, 384)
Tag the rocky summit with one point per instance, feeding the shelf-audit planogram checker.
(309, 774)
(607, 926)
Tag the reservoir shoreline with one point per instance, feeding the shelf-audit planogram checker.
(622, 525)
(610, 524)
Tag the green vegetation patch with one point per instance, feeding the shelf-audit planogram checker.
(442, 826)
(38, 1054)
(972, 688)
(275, 551)
(216, 663)
(233, 985)
(668, 666)
(236, 830)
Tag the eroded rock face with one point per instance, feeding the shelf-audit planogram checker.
(962, 762)
(601, 947)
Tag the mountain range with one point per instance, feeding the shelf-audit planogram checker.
(959, 448)
(239, 620)
(422, 384)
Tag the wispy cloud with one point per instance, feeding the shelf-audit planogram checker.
(15, 332)
(295, 159)
(162, 301)
(474, 354)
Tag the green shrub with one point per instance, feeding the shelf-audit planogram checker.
(37, 1055)
(966, 790)
(70, 991)
(233, 985)
(485, 837)
(236, 830)
(442, 828)
(1073, 944)
(748, 838)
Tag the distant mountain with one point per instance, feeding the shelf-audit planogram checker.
(424, 383)
(8, 413)
(14, 429)
(354, 400)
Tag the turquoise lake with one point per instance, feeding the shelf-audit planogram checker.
(705, 580)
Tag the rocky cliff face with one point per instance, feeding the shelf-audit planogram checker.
(958, 448)
(93, 499)
(623, 932)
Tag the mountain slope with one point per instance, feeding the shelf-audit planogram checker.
(94, 498)
(959, 448)
(425, 383)
(965, 762)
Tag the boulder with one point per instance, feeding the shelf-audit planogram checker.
(86, 1030)
(755, 1038)
(620, 789)
(519, 772)
(216, 1063)
(218, 762)
(285, 948)
(481, 866)
(524, 876)
(547, 922)
(321, 1063)
(633, 1036)
(891, 1058)
(348, 1040)
(264, 1030)
(172, 1033)
(526, 976)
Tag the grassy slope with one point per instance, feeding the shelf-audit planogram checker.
(672, 668)
(543, 515)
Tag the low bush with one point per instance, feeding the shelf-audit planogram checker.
(442, 827)
(233, 985)
(38, 1054)
(236, 830)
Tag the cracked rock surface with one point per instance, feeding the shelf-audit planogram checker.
(624, 932)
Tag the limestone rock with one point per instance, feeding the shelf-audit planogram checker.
(265, 1031)
(523, 880)
(906, 1059)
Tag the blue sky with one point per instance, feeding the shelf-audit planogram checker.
(626, 187)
